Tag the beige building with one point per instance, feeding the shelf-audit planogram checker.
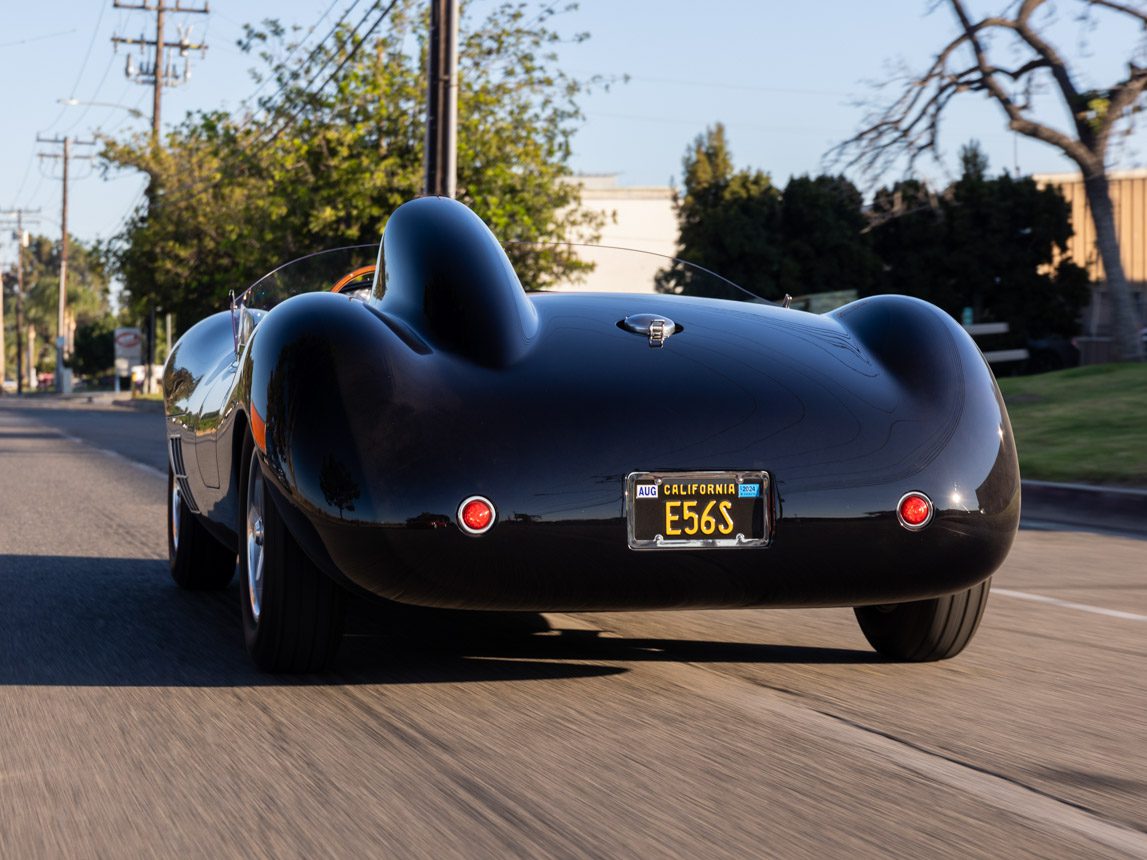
(1129, 197)
(638, 217)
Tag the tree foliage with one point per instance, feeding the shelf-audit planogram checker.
(727, 221)
(94, 351)
(1010, 58)
(993, 244)
(87, 297)
(737, 223)
(823, 241)
(311, 167)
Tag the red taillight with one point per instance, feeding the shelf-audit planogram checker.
(476, 515)
(914, 511)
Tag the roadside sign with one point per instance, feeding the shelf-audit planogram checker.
(128, 350)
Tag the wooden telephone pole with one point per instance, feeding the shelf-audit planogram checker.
(61, 305)
(158, 73)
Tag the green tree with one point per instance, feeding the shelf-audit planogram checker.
(87, 296)
(314, 167)
(994, 245)
(810, 238)
(824, 245)
(94, 352)
(728, 222)
(906, 227)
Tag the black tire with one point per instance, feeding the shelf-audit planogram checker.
(198, 561)
(295, 625)
(925, 630)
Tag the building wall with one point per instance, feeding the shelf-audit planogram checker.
(641, 218)
(1129, 197)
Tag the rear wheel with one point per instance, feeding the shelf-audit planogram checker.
(925, 630)
(292, 612)
(198, 561)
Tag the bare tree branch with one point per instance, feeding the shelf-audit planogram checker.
(1016, 119)
(908, 127)
(1126, 9)
(1124, 97)
(1029, 66)
(1059, 70)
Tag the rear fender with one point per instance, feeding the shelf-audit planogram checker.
(317, 367)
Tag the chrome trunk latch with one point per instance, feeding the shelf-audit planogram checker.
(657, 328)
(658, 333)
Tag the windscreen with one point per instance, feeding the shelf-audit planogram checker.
(313, 273)
(572, 268)
(541, 266)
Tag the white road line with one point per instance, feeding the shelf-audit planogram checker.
(1040, 810)
(1067, 604)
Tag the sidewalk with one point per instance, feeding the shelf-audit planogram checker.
(113, 400)
(1087, 506)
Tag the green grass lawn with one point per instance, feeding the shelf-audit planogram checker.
(1085, 424)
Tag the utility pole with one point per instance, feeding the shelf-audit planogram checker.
(21, 243)
(160, 73)
(442, 100)
(61, 304)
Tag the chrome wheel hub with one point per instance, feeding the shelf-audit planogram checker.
(255, 537)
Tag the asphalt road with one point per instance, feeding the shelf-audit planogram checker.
(132, 724)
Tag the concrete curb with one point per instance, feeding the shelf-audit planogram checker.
(139, 405)
(1120, 509)
(106, 400)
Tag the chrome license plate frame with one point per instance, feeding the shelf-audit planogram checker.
(745, 524)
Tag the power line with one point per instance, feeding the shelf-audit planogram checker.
(21, 241)
(350, 55)
(318, 46)
(39, 182)
(83, 67)
(548, 10)
(676, 120)
(133, 111)
(75, 86)
(195, 190)
(312, 29)
(95, 96)
(160, 72)
(24, 180)
(721, 85)
(61, 323)
(131, 209)
(88, 53)
(31, 39)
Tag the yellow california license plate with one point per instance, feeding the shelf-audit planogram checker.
(697, 510)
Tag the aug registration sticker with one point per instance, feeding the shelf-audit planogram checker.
(697, 510)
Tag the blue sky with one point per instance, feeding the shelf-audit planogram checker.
(782, 76)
